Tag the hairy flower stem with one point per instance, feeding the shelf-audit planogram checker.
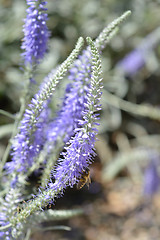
(35, 205)
(108, 32)
(51, 215)
(52, 158)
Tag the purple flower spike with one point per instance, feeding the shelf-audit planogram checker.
(74, 100)
(36, 33)
(28, 143)
(26, 147)
(76, 159)
(80, 148)
(137, 58)
(151, 179)
(132, 62)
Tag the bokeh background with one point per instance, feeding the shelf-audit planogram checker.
(123, 200)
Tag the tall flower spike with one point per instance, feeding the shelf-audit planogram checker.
(80, 148)
(79, 151)
(24, 146)
(73, 104)
(68, 117)
(36, 33)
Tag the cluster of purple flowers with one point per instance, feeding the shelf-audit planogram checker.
(31, 137)
(35, 32)
(27, 146)
(80, 149)
(74, 100)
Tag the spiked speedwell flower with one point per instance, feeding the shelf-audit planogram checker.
(27, 144)
(76, 92)
(74, 100)
(80, 148)
(35, 32)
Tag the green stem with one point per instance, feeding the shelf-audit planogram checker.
(7, 114)
(5, 227)
(137, 109)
